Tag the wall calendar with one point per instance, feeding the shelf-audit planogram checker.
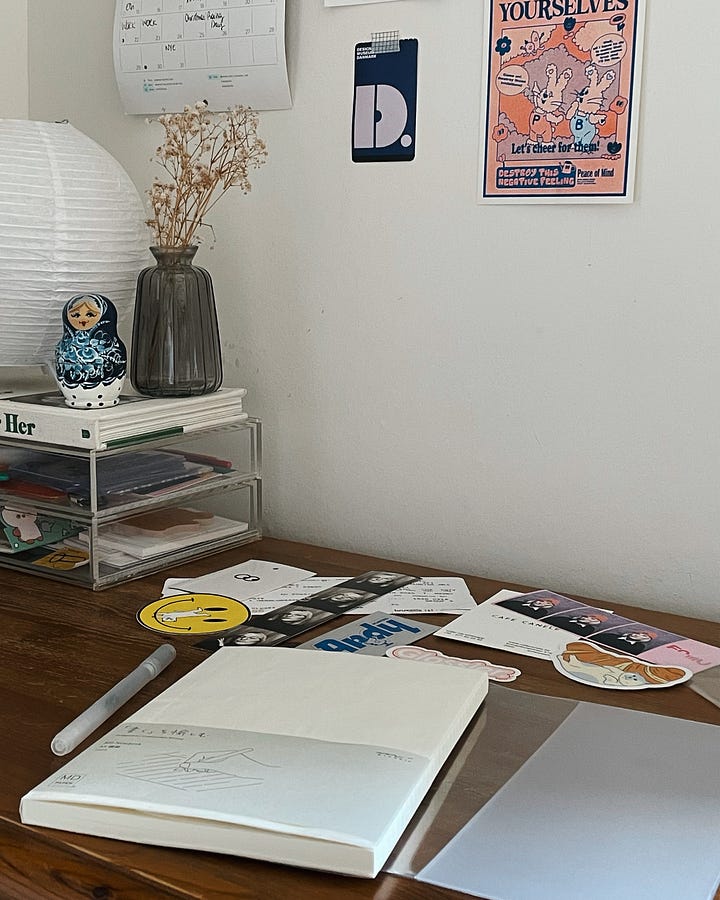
(172, 53)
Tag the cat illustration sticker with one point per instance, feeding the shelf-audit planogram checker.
(193, 614)
(561, 101)
(589, 664)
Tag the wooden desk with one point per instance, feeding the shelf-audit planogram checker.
(62, 648)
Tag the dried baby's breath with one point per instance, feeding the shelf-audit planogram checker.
(204, 154)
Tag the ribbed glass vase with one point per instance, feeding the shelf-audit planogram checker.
(176, 343)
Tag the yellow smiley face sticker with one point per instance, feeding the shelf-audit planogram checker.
(193, 614)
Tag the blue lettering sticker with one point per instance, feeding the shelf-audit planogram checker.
(374, 634)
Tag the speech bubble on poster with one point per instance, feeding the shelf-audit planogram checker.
(511, 80)
(608, 50)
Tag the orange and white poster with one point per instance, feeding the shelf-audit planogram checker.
(562, 87)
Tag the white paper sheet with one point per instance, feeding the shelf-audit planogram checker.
(172, 53)
(429, 595)
(615, 803)
(242, 582)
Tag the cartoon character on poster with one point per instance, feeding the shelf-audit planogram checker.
(560, 92)
(584, 113)
(547, 104)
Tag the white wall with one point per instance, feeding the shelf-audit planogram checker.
(520, 392)
(14, 60)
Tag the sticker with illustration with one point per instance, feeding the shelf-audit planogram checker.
(590, 664)
(24, 528)
(373, 634)
(435, 657)
(193, 614)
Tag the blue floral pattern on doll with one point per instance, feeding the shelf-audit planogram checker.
(90, 357)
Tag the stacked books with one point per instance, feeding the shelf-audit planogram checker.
(45, 419)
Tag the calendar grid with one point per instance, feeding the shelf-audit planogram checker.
(168, 35)
(170, 53)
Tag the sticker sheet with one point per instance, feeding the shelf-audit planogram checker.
(561, 94)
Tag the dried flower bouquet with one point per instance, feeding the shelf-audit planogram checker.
(204, 154)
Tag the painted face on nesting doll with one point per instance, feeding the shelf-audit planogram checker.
(84, 315)
(90, 358)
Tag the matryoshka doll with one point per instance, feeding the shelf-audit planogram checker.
(90, 358)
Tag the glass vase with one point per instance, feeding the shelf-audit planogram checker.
(176, 342)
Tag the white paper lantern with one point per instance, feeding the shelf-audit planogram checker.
(71, 222)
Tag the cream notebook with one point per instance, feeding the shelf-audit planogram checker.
(311, 759)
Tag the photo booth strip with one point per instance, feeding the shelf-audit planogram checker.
(278, 626)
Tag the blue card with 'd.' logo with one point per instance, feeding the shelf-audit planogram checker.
(385, 99)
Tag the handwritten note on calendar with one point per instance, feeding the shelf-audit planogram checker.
(172, 53)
